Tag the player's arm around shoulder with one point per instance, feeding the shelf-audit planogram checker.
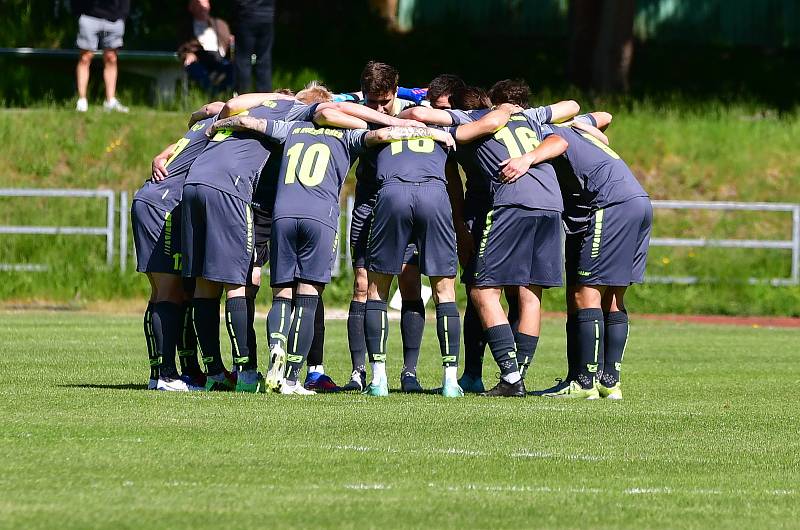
(393, 134)
(361, 112)
(487, 124)
(206, 111)
(427, 115)
(333, 117)
(551, 147)
(563, 110)
(243, 102)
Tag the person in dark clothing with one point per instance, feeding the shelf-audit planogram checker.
(254, 36)
(205, 49)
(100, 23)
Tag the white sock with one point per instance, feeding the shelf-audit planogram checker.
(512, 378)
(450, 375)
(317, 369)
(378, 373)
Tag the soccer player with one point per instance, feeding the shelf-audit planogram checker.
(606, 252)
(156, 222)
(305, 225)
(379, 86)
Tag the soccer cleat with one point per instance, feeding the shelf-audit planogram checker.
(226, 383)
(379, 390)
(505, 389)
(295, 389)
(358, 380)
(452, 390)
(169, 384)
(575, 391)
(410, 384)
(560, 385)
(277, 368)
(320, 382)
(194, 383)
(152, 384)
(82, 105)
(613, 392)
(113, 105)
(471, 384)
(253, 388)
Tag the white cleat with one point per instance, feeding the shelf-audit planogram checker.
(295, 389)
(171, 385)
(82, 105)
(113, 105)
(277, 369)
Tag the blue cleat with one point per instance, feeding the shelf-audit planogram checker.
(471, 384)
(320, 383)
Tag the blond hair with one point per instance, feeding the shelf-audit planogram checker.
(314, 92)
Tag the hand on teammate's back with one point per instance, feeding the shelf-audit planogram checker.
(159, 169)
(513, 168)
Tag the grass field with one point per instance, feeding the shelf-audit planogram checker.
(707, 437)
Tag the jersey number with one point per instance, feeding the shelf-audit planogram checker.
(525, 141)
(312, 164)
(180, 145)
(420, 145)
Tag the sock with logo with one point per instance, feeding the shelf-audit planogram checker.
(590, 338)
(616, 338)
(301, 334)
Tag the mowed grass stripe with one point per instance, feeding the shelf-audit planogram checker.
(703, 439)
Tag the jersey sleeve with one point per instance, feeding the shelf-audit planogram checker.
(547, 130)
(586, 118)
(356, 141)
(460, 117)
(301, 112)
(539, 114)
(279, 130)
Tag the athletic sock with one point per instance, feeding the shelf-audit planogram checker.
(513, 311)
(187, 342)
(252, 336)
(501, 342)
(412, 326)
(474, 341)
(616, 338)
(378, 372)
(376, 330)
(165, 328)
(526, 349)
(448, 330)
(573, 354)
(279, 319)
(150, 340)
(206, 326)
(590, 331)
(316, 352)
(301, 334)
(236, 323)
(355, 335)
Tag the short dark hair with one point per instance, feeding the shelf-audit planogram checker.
(514, 91)
(473, 98)
(379, 78)
(448, 85)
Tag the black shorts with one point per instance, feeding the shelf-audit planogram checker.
(613, 250)
(413, 214)
(301, 249)
(157, 238)
(262, 229)
(359, 236)
(519, 246)
(475, 224)
(217, 235)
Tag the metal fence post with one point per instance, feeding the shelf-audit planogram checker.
(110, 228)
(796, 244)
(123, 231)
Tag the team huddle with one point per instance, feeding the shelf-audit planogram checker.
(257, 180)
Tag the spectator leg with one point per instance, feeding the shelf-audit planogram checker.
(110, 73)
(264, 57)
(245, 44)
(82, 72)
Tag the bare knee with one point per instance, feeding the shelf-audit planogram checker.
(110, 58)
(444, 289)
(410, 283)
(613, 299)
(588, 297)
(360, 285)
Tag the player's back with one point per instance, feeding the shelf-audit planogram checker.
(314, 166)
(416, 161)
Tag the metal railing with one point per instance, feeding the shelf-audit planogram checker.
(791, 244)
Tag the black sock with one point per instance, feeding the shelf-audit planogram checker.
(355, 335)
(252, 336)
(448, 330)
(150, 340)
(501, 342)
(616, 339)
(590, 333)
(187, 342)
(573, 353)
(376, 330)
(474, 341)
(315, 355)
(206, 325)
(301, 334)
(513, 311)
(412, 325)
(166, 316)
(279, 319)
(526, 349)
(236, 323)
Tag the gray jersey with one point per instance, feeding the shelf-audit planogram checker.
(538, 188)
(233, 160)
(167, 193)
(594, 177)
(418, 160)
(315, 163)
